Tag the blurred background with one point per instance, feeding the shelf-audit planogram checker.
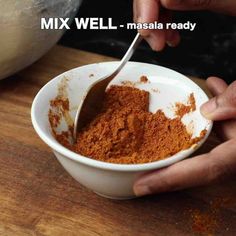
(209, 50)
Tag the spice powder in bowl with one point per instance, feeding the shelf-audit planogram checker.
(125, 132)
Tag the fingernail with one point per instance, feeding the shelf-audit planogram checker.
(208, 108)
(170, 44)
(141, 190)
(172, 38)
(174, 42)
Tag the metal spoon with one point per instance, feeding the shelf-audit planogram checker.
(93, 97)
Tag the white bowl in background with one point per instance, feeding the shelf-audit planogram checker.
(110, 180)
(22, 39)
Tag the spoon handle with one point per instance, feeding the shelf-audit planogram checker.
(137, 40)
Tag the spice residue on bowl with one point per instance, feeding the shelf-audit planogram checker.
(126, 132)
(182, 109)
(60, 111)
(142, 80)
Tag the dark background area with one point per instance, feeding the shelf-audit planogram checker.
(208, 50)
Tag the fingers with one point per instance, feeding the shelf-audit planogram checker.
(149, 11)
(172, 38)
(187, 4)
(226, 6)
(136, 12)
(216, 85)
(223, 106)
(226, 130)
(146, 12)
(156, 40)
(200, 170)
(181, 175)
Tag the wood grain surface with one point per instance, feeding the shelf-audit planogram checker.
(38, 197)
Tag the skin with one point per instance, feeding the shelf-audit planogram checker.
(220, 163)
(161, 11)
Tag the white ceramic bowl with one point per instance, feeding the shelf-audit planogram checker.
(22, 39)
(107, 179)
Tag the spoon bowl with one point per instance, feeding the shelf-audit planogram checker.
(91, 103)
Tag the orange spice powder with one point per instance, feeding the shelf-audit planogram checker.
(126, 132)
(143, 79)
(182, 109)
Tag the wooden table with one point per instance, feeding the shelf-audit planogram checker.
(38, 197)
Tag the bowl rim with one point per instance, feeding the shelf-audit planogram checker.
(57, 147)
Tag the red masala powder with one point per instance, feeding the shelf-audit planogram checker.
(126, 132)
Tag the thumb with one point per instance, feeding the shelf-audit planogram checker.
(223, 106)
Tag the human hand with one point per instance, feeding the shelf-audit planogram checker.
(214, 166)
(161, 10)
